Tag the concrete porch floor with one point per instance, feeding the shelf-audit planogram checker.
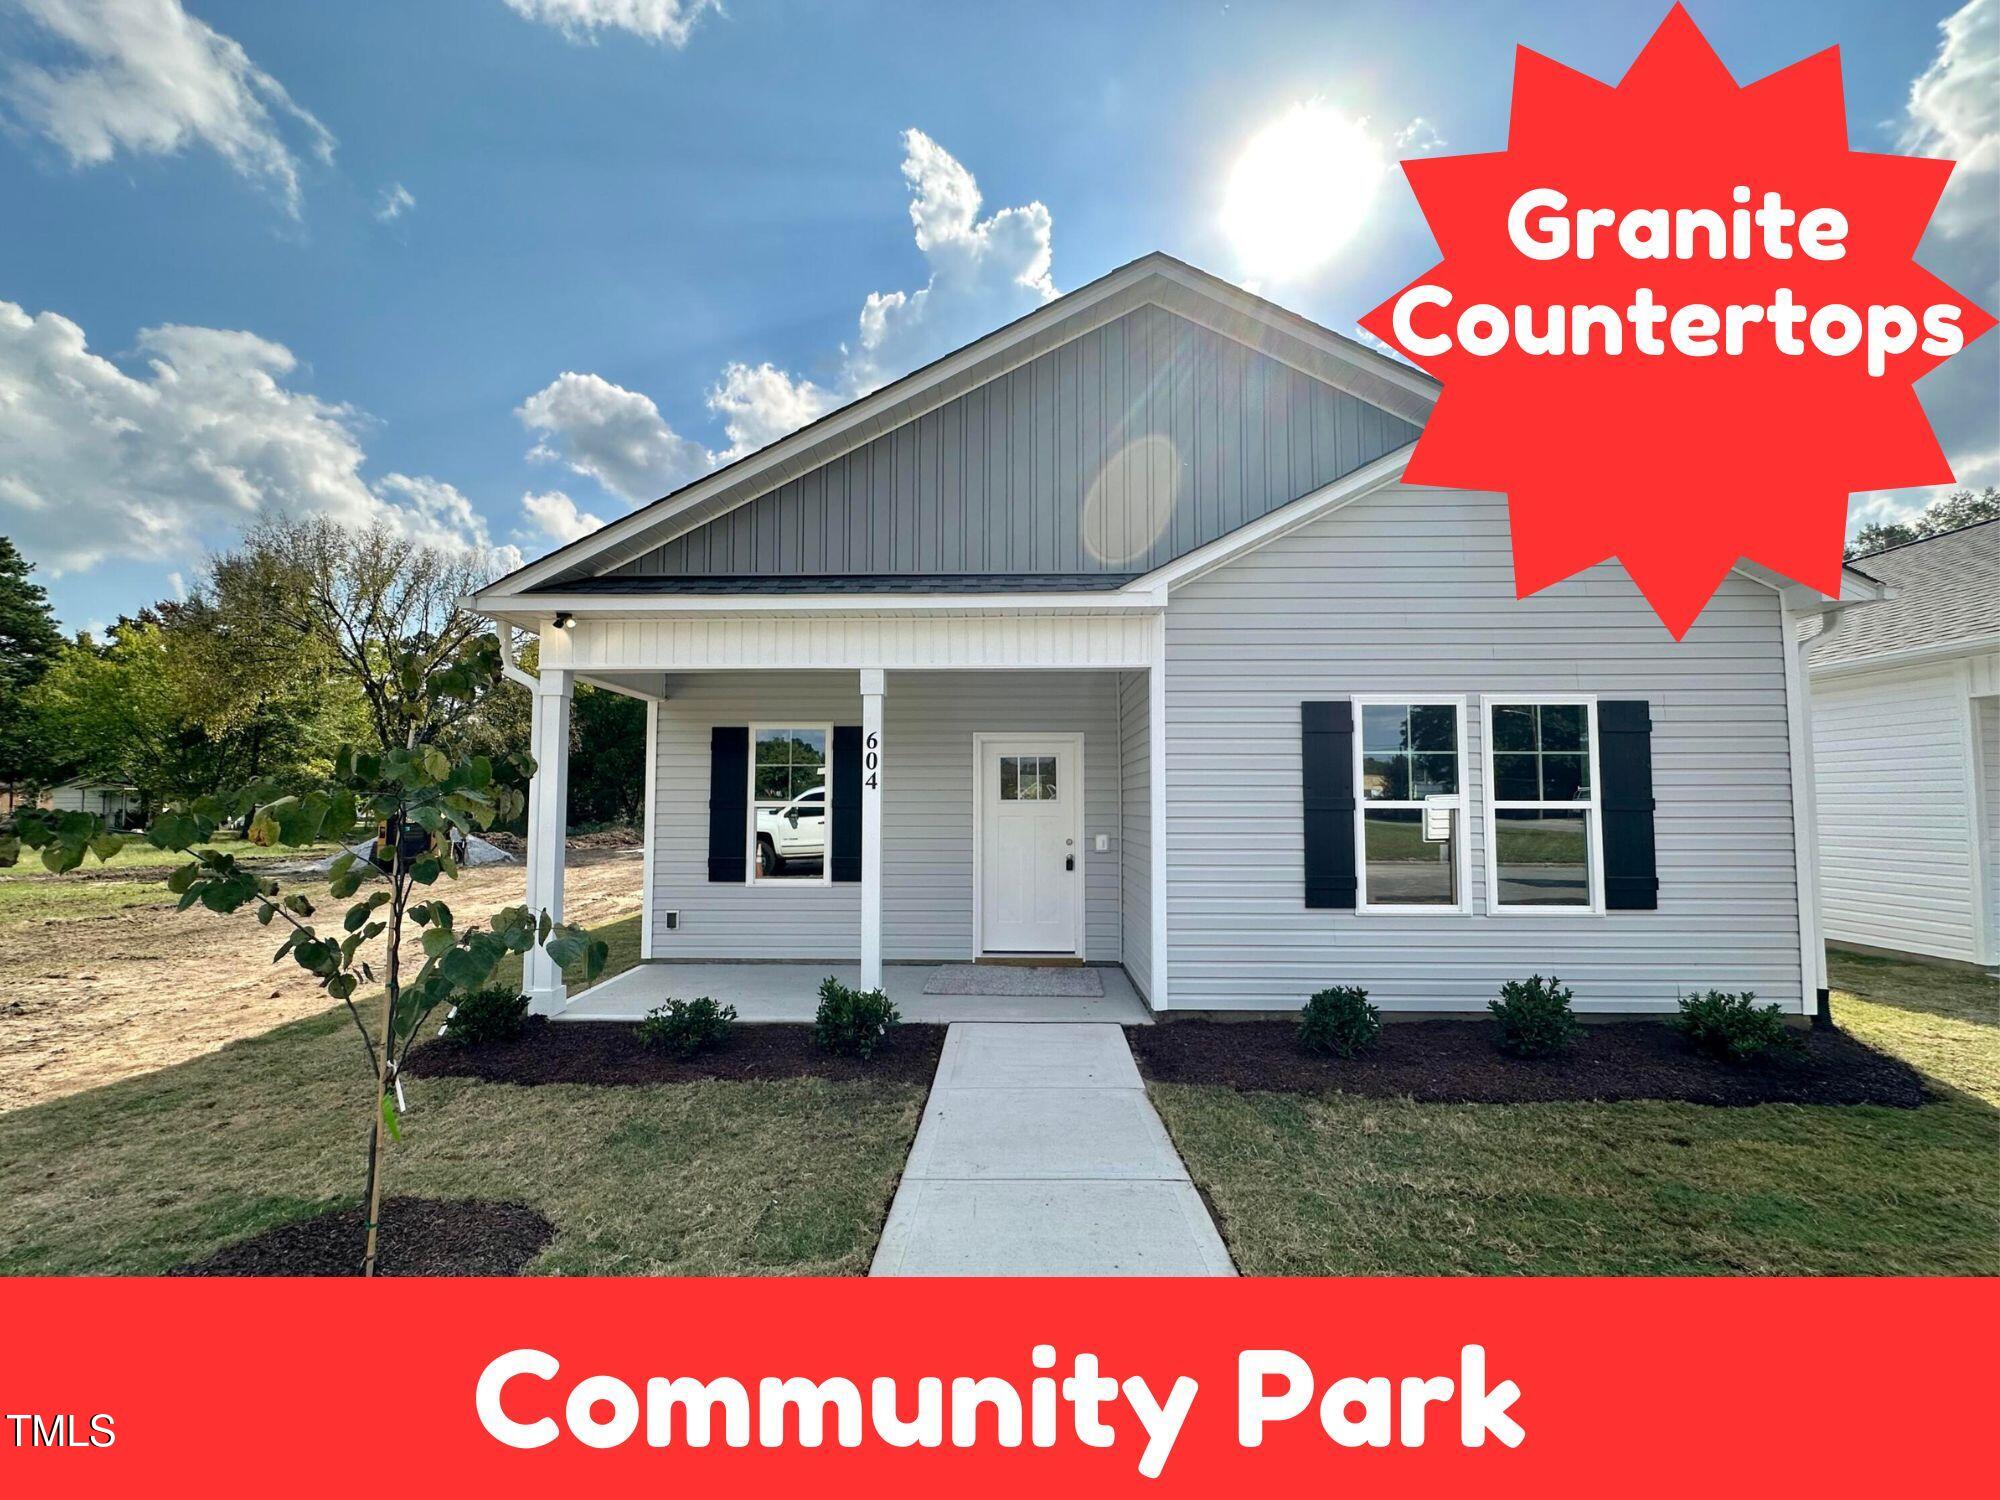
(790, 992)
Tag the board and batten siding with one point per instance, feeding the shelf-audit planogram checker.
(1135, 827)
(1896, 800)
(1989, 766)
(1411, 591)
(1115, 452)
(929, 719)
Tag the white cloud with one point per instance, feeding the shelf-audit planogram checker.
(669, 21)
(1954, 112)
(1418, 137)
(983, 272)
(396, 200)
(144, 76)
(97, 463)
(555, 517)
(615, 436)
(760, 404)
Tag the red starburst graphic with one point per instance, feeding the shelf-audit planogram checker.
(1680, 464)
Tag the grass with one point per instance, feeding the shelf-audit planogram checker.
(700, 1179)
(1338, 1185)
(29, 893)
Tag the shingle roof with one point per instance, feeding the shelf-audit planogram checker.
(1947, 588)
(847, 583)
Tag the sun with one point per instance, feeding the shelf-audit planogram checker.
(1301, 189)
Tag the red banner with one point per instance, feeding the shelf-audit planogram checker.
(1437, 1387)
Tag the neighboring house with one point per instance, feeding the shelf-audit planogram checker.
(1906, 737)
(1115, 635)
(114, 801)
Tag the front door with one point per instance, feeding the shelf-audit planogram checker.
(1031, 862)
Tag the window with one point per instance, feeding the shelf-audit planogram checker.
(1410, 838)
(789, 817)
(1544, 847)
(1027, 778)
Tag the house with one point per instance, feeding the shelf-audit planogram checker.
(117, 802)
(1906, 745)
(1115, 636)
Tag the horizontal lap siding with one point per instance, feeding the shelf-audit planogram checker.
(929, 719)
(1116, 452)
(1412, 591)
(1135, 827)
(1895, 819)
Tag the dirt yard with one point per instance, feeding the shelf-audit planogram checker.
(88, 1000)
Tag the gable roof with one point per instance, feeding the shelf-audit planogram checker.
(1946, 593)
(1158, 279)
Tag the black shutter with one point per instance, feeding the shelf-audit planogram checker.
(846, 809)
(728, 803)
(1326, 747)
(1625, 760)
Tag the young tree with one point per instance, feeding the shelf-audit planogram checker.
(417, 800)
(29, 642)
(1962, 508)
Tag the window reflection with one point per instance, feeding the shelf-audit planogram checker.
(789, 813)
(1542, 858)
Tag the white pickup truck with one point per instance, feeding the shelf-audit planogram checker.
(794, 832)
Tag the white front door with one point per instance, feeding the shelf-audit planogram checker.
(1030, 855)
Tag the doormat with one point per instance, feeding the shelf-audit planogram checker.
(998, 979)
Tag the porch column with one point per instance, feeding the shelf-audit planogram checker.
(548, 821)
(872, 687)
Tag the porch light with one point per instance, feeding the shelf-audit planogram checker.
(565, 621)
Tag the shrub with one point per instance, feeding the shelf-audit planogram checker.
(1534, 1016)
(686, 1027)
(495, 1014)
(1734, 1027)
(852, 1022)
(1339, 1022)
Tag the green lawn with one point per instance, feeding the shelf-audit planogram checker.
(787, 1178)
(1340, 1185)
(29, 893)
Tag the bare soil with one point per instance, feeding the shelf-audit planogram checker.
(418, 1237)
(88, 1001)
(1456, 1062)
(610, 1052)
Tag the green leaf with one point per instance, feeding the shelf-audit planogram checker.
(437, 940)
(58, 859)
(105, 845)
(389, 1121)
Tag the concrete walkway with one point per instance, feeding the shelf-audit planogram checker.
(1040, 1155)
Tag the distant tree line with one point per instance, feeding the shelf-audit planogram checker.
(1961, 509)
(281, 651)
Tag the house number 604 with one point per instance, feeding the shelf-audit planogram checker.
(871, 763)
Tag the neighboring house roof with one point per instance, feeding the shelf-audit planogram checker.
(1945, 594)
(1405, 393)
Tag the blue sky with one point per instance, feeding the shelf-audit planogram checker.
(647, 212)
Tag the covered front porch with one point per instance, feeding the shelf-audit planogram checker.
(873, 793)
(763, 992)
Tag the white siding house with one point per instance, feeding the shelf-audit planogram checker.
(114, 801)
(1116, 638)
(1906, 745)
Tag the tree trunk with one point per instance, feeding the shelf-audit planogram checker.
(387, 1043)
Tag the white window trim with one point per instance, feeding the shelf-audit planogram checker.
(1456, 702)
(750, 819)
(1594, 807)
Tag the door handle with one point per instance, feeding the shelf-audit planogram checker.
(1069, 861)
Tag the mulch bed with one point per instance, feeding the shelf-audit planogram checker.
(418, 1237)
(609, 1052)
(1456, 1062)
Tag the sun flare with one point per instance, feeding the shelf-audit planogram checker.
(1301, 189)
